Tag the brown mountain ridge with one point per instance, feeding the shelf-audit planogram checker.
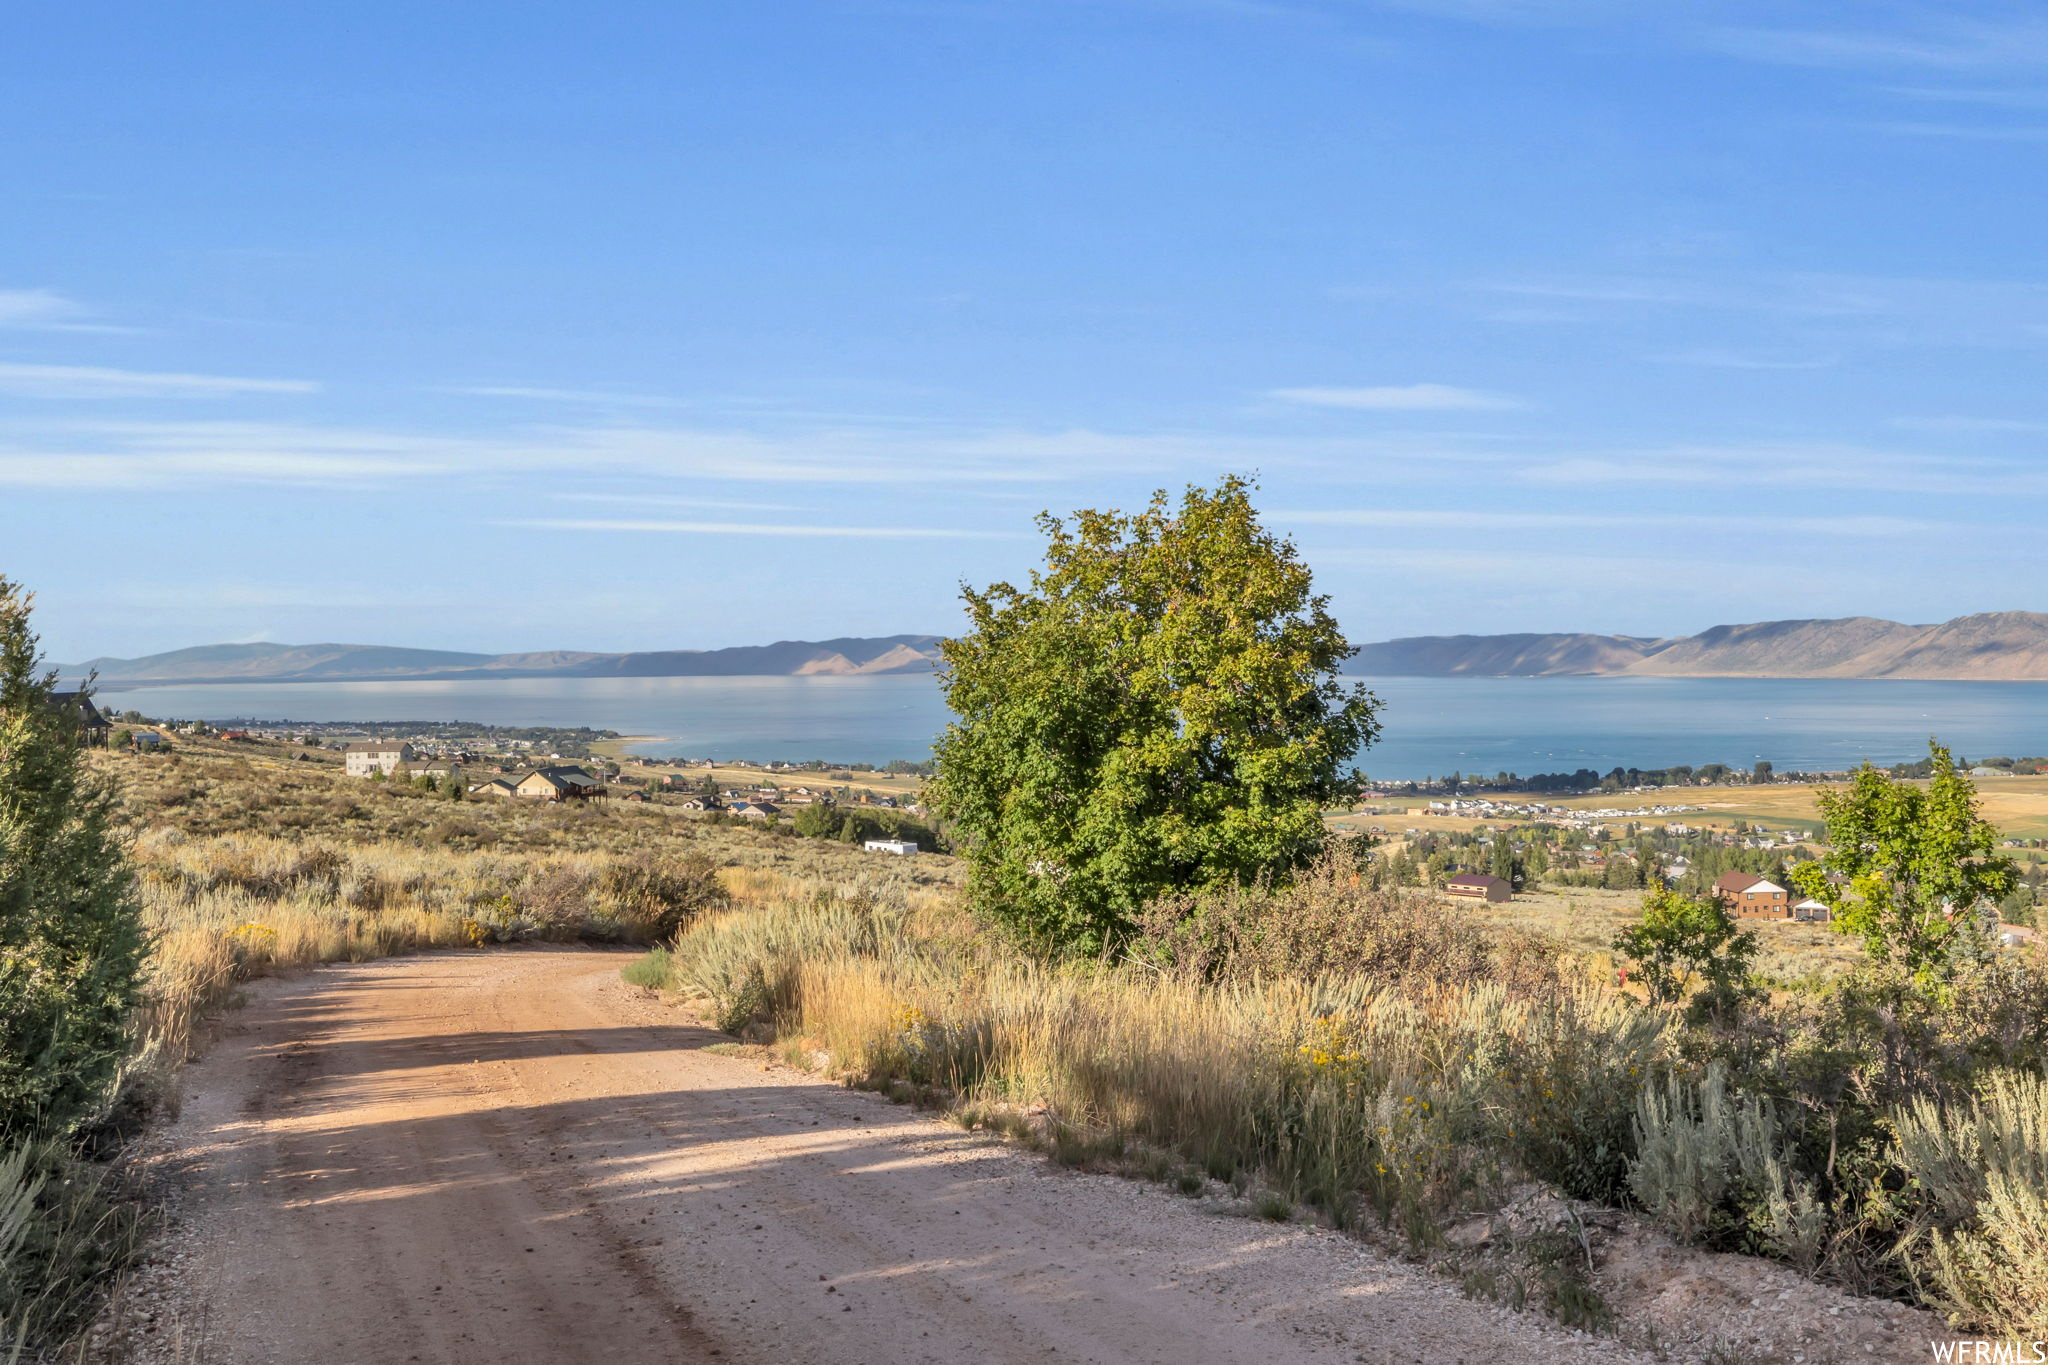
(2002, 645)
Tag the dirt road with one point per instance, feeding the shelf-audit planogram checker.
(512, 1157)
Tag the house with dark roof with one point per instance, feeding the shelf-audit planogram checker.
(76, 707)
(558, 783)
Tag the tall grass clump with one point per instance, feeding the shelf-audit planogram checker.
(1983, 1166)
(1374, 1104)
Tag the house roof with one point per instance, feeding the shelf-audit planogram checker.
(1743, 881)
(80, 705)
(377, 746)
(562, 777)
(1476, 879)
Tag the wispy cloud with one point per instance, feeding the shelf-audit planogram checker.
(149, 454)
(88, 381)
(1717, 359)
(1950, 42)
(666, 500)
(1967, 132)
(1859, 527)
(1788, 465)
(1973, 426)
(1830, 310)
(46, 310)
(575, 397)
(1396, 398)
(1989, 97)
(741, 528)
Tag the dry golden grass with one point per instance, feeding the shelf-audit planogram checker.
(898, 785)
(252, 862)
(1345, 1093)
(1586, 919)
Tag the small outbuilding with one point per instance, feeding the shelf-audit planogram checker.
(902, 848)
(1811, 911)
(1480, 886)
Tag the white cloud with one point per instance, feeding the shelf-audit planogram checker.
(1971, 425)
(1396, 398)
(1718, 359)
(736, 528)
(1861, 527)
(159, 453)
(665, 500)
(46, 310)
(1967, 132)
(1854, 468)
(1951, 43)
(35, 308)
(584, 397)
(88, 381)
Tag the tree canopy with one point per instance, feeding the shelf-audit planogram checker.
(71, 938)
(1911, 869)
(1682, 941)
(1159, 710)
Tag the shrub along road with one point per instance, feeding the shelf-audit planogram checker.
(512, 1156)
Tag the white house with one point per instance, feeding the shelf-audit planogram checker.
(900, 847)
(377, 756)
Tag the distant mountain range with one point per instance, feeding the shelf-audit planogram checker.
(250, 663)
(1993, 645)
(2009, 645)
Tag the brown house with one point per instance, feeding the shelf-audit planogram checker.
(1480, 886)
(558, 784)
(1749, 896)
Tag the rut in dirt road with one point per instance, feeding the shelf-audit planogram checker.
(513, 1157)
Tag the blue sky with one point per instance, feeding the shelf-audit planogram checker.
(628, 326)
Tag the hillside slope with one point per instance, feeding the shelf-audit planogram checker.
(2007, 645)
(265, 662)
(1503, 655)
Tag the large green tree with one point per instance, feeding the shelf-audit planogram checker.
(1910, 868)
(1158, 710)
(1683, 941)
(71, 937)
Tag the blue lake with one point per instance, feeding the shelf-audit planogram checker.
(1432, 725)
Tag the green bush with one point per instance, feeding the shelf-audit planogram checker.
(1983, 1169)
(649, 972)
(71, 938)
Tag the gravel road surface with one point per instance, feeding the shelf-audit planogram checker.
(512, 1156)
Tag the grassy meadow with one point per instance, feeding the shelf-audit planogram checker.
(252, 861)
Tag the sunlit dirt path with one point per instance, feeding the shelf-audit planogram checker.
(512, 1156)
